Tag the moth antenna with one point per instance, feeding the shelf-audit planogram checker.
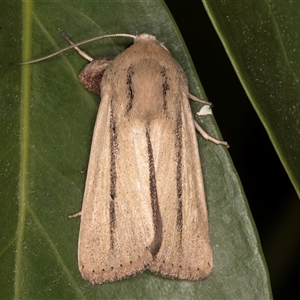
(76, 46)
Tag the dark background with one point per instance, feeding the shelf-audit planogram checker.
(273, 201)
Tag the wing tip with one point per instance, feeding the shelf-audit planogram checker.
(191, 273)
(115, 273)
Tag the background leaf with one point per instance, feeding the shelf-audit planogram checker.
(47, 122)
(267, 64)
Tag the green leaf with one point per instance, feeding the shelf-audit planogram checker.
(261, 39)
(47, 121)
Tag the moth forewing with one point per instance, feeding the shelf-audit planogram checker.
(116, 228)
(185, 252)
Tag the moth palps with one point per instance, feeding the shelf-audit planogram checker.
(144, 203)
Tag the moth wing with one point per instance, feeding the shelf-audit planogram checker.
(185, 251)
(116, 228)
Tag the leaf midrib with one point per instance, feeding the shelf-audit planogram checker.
(24, 141)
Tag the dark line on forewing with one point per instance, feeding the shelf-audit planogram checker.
(178, 147)
(165, 86)
(157, 223)
(130, 91)
(113, 176)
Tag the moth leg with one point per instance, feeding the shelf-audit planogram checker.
(78, 213)
(84, 170)
(208, 137)
(74, 215)
(201, 131)
(81, 53)
(194, 98)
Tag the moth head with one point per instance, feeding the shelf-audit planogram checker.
(145, 37)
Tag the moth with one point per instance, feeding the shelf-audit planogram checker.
(144, 202)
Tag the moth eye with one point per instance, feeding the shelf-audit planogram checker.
(111, 268)
(103, 270)
(130, 262)
(121, 265)
(93, 271)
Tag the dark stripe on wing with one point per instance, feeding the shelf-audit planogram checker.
(157, 223)
(178, 147)
(130, 92)
(113, 177)
(165, 87)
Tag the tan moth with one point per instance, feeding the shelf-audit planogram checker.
(144, 202)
